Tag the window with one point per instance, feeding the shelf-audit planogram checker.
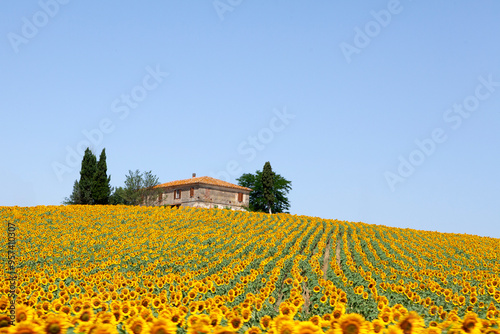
(191, 192)
(177, 194)
(160, 197)
(240, 197)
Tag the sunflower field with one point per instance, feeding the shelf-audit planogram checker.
(160, 270)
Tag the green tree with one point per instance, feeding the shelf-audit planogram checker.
(139, 188)
(87, 172)
(101, 189)
(268, 185)
(118, 196)
(281, 187)
(75, 197)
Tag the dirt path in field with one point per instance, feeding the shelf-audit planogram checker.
(306, 296)
(326, 258)
(337, 251)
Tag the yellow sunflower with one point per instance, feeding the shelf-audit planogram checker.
(26, 327)
(100, 328)
(265, 322)
(136, 325)
(253, 330)
(308, 327)
(491, 331)
(411, 323)
(284, 326)
(4, 303)
(162, 326)
(386, 317)
(394, 330)
(432, 330)
(338, 312)
(24, 313)
(351, 324)
(200, 329)
(246, 313)
(471, 324)
(5, 320)
(287, 309)
(236, 322)
(316, 320)
(56, 324)
(378, 326)
(224, 330)
(85, 316)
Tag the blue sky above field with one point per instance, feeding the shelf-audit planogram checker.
(384, 112)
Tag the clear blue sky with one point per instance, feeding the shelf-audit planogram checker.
(384, 112)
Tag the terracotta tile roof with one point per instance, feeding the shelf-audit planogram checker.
(202, 180)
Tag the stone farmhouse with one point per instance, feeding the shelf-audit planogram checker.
(203, 192)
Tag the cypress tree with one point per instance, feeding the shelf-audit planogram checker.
(87, 177)
(268, 185)
(101, 189)
(74, 198)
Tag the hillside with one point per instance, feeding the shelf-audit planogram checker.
(209, 270)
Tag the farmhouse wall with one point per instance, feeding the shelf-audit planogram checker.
(204, 196)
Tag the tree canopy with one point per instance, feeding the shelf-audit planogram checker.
(93, 186)
(139, 188)
(281, 187)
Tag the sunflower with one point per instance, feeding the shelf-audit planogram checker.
(117, 314)
(4, 303)
(100, 328)
(26, 327)
(135, 325)
(351, 324)
(56, 305)
(5, 320)
(125, 309)
(327, 317)
(377, 325)
(56, 324)
(394, 330)
(490, 315)
(77, 307)
(24, 313)
(385, 317)
(224, 330)
(175, 317)
(315, 319)
(287, 309)
(432, 330)
(200, 329)
(236, 322)
(156, 302)
(192, 320)
(338, 312)
(284, 325)
(412, 323)
(253, 330)
(308, 327)
(491, 331)
(471, 324)
(66, 309)
(162, 326)
(85, 316)
(246, 313)
(265, 322)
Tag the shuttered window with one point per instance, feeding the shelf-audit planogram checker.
(177, 194)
